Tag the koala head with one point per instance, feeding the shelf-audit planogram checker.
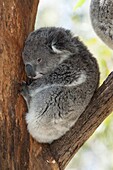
(45, 49)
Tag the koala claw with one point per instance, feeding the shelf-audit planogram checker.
(25, 92)
(24, 89)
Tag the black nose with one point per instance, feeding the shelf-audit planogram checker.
(30, 71)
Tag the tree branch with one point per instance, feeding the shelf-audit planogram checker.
(99, 108)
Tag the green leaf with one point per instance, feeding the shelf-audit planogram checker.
(79, 4)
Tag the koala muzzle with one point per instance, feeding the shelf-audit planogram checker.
(30, 71)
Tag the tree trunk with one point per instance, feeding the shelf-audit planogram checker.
(18, 151)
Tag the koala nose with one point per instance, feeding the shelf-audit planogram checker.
(30, 71)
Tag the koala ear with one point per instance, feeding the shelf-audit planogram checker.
(55, 49)
(60, 41)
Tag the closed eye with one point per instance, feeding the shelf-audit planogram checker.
(39, 60)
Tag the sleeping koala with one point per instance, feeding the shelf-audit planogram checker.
(65, 78)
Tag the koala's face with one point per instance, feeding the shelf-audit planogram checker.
(45, 49)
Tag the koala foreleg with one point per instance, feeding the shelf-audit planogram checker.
(25, 93)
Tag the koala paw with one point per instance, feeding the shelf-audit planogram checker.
(24, 89)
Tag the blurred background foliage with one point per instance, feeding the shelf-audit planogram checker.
(97, 152)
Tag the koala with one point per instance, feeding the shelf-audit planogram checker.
(101, 15)
(65, 76)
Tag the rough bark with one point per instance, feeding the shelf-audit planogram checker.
(18, 151)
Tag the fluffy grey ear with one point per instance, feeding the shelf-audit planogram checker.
(60, 41)
(54, 48)
(63, 52)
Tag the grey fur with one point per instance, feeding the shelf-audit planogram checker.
(66, 75)
(101, 12)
